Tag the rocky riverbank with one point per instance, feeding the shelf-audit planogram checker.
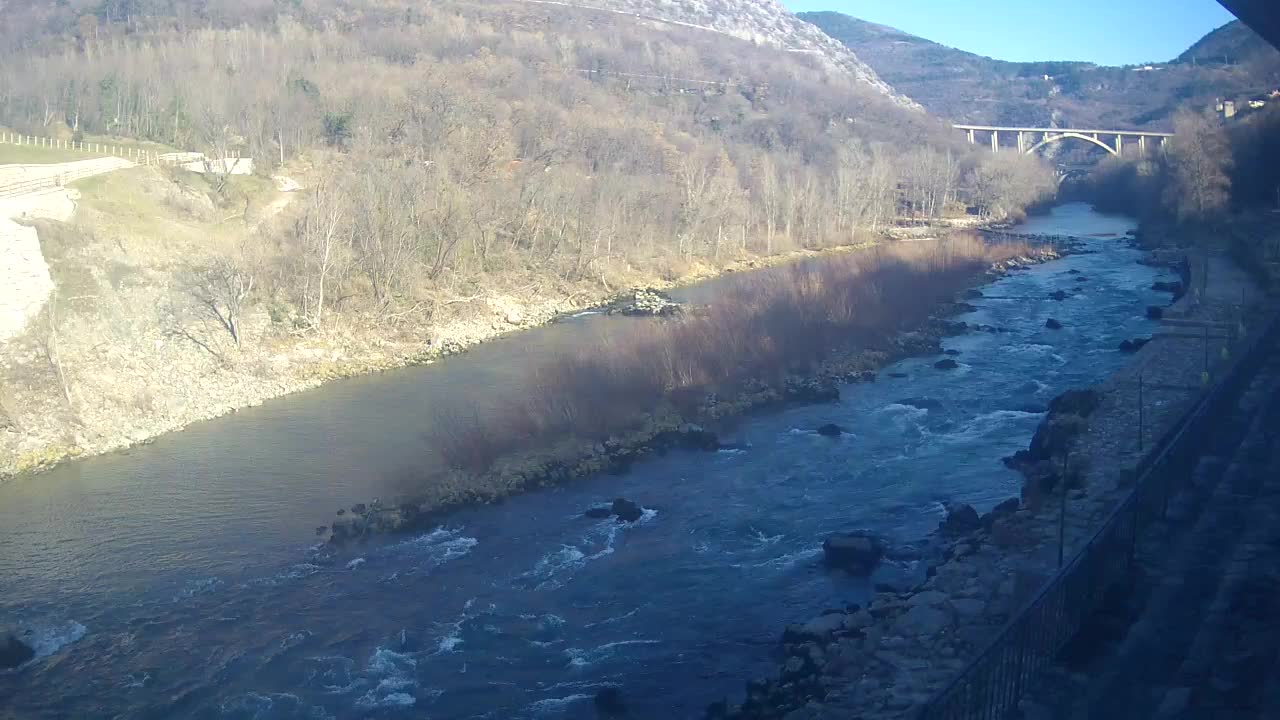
(887, 659)
(106, 382)
(665, 430)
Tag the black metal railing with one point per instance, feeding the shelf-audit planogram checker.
(991, 685)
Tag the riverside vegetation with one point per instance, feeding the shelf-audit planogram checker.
(786, 333)
(468, 169)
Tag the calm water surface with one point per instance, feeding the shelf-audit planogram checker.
(180, 579)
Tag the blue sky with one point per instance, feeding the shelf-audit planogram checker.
(1108, 32)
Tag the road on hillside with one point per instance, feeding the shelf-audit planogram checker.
(34, 191)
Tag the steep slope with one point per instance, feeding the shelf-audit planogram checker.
(1231, 44)
(1231, 62)
(764, 22)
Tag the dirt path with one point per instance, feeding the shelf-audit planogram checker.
(25, 283)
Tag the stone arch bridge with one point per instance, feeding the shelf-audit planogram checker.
(1030, 140)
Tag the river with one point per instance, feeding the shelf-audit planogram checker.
(179, 579)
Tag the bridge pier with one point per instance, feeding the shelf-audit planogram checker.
(971, 138)
(995, 141)
(1022, 145)
(1142, 145)
(1119, 145)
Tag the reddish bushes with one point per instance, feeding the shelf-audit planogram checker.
(764, 326)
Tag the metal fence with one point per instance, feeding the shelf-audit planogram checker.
(138, 155)
(49, 182)
(991, 685)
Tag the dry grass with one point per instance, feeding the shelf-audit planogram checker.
(766, 325)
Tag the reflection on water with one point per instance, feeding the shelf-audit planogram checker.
(177, 580)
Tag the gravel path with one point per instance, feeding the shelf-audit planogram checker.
(25, 283)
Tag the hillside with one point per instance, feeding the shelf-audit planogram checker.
(1231, 62)
(759, 21)
(1231, 44)
(467, 169)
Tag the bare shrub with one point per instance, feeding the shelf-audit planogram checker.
(765, 326)
(219, 291)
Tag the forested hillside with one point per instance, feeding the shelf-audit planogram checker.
(575, 136)
(467, 167)
(1231, 63)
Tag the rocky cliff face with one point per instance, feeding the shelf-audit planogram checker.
(765, 22)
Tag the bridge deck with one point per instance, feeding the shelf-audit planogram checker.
(1127, 133)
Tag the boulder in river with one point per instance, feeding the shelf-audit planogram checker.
(627, 511)
(819, 629)
(952, 353)
(1003, 510)
(645, 301)
(973, 294)
(898, 375)
(1053, 324)
(856, 553)
(1154, 312)
(1055, 435)
(695, 437)
(1073, 272)
(961, 519)
(831, 430)
(1080, 402)
(13, 652)
(946, 364)
(1058, 295)
(609, 702)
(1174, 287)
(1082, 279)
(1133, 345)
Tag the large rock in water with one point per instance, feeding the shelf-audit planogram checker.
(13, 652)
(961, 519)
(627, 511)
(831, 430)
(853, 552)
(1053, 324)
(1076, 402)
(646, 301)
(1055, 435)
(946, 364)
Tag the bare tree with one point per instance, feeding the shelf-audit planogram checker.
(219, 291)
(1198, 156)
(324, 237)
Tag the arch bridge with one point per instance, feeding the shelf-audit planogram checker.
(1029, 140)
